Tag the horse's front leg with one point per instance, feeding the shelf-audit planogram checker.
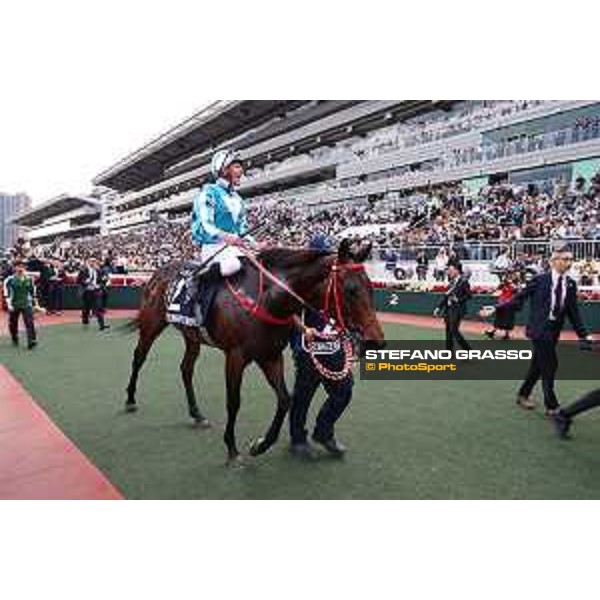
(235, 363)
(273, 370)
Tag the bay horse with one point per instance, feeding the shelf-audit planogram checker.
(247, 328)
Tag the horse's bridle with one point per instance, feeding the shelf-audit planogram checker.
(334, 292)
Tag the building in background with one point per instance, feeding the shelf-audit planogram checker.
(10, 206)
(325, 152)
(68, 216)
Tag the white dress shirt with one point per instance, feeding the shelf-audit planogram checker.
(555, 278)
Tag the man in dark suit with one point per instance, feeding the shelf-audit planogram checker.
(552, 298)
(453, 307)
(89, 280)
(56, 286)
(105, 271)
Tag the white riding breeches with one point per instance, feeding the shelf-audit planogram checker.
(228, 260)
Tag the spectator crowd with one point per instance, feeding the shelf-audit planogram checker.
(449, 215)
(446, 216)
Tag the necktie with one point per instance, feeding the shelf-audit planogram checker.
(558, 293)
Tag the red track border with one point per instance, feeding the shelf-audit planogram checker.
(37, 460)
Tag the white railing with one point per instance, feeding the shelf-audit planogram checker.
(488, 251)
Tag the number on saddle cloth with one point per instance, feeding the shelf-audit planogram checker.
(190, 297)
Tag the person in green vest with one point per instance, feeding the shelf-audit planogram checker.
(20, 296)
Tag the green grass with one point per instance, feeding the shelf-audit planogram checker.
(406, 440)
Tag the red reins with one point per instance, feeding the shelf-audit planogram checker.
(254, 307)
(333, 288)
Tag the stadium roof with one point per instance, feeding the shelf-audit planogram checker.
(205, 129)
(55, 206)
(321, 122)
(318, 110)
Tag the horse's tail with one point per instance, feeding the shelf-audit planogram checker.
(129, 326)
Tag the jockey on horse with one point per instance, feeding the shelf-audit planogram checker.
(219, 218)
(220, 225)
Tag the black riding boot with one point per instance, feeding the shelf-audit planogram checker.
(211, 275)
(197, 280)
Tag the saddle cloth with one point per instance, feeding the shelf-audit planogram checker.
(189, 303)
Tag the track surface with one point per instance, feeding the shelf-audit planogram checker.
(400, 433)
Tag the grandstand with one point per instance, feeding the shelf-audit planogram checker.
(286, 144)
(65, 216)
(335, 151)
(473, 175)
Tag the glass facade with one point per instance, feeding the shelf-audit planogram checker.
(543, 176)
(561, 129)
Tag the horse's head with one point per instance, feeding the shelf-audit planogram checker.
(350, 295)
(336, 283)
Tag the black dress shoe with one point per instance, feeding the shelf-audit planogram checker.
(562, 424)
(331, 445)
(302, 450)
(31, 345)
(104, 327)
(525, 402)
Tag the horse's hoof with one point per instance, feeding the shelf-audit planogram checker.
(235, 462)
(131, 408)
(256, 447)
(202, 423)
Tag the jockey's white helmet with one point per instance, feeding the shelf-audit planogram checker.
(221, 160)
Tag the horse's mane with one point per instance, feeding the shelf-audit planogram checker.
(288, 258)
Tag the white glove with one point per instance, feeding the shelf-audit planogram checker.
(9, 306)
(328, 331)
